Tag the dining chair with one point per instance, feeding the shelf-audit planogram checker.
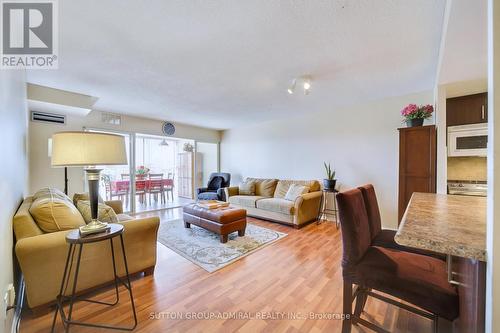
(125, 176)
(155, 187)
(385, 237)
(168, 185)
(416, 279)
(140, 190)
(121, 190)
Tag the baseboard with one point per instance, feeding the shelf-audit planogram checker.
(16, 321)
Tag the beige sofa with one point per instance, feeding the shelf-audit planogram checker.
(42, 256)
(268, 202)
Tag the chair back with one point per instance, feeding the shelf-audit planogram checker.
(372, 209)
(125, 176)
(155, 176)
(355, 227)
(226, 177)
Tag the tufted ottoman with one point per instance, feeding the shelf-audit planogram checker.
(222, 221)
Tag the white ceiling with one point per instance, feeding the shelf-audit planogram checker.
(222, 64)
(465, 48)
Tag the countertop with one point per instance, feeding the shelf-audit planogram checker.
(449, 224)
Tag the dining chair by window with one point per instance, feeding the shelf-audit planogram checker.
(168, 186)
(155, 187)
(125, 176)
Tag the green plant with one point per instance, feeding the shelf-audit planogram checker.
(330, 174)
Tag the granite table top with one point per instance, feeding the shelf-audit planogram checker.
(449, 224)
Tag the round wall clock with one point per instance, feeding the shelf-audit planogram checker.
(168, 128)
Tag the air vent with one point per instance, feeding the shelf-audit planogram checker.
(111, 118)
(45, 117)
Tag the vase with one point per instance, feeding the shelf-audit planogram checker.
(414, 122)
(329, 184)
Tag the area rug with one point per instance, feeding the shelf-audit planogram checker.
(204, 248)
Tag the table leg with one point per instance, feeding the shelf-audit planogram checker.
(114, 272)
(129, 285)
(72, 299)
(59, 301)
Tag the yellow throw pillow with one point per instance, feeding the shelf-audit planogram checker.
(104, 212)
(48, 192)
(247, 188)
(266, 187)
(84, 196)
(55, 214)
(295, 191)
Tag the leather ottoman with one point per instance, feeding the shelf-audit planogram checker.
(222, 221)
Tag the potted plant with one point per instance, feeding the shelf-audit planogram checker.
(414, 115)
(329, 182)
(141, 172)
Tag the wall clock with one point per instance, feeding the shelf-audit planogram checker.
(168, 128)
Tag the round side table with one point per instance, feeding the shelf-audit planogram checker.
(76, 243)
(324, 211)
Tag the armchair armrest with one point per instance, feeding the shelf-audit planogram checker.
(230, 191)
(307, 207)
(116, 205)
(201, 190)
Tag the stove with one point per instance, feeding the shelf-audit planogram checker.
(467, 187)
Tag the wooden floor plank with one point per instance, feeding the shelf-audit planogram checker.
(300, 273)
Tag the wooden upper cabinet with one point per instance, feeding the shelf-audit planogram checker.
(417, 163)
(464, 110)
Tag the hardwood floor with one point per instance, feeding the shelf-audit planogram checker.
(295, 276)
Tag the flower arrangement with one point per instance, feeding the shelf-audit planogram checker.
(412, 111)
(141, 171)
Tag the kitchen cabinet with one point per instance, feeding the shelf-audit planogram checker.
(464, 110)
(471, 276)
(417, 163)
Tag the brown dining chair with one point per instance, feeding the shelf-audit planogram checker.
(385, 237)
(155, 187)
(417, 279)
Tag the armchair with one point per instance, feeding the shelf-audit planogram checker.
(215, 187)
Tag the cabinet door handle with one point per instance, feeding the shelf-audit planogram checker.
(482, 112)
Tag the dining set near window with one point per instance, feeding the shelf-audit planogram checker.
(148, 186)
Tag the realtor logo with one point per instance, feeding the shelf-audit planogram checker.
(29, 34)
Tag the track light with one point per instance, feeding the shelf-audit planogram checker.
(305, 82)
(291, 88)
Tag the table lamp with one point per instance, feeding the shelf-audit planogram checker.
(89, 150)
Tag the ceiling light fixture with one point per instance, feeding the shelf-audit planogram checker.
(305, 81)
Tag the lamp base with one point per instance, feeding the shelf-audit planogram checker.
(94, 227)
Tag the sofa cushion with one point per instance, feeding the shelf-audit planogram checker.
(295, 191)
(247, 188)
(53, 214)
(50, 192)
(104, 212)
(264, 187)
(245, 200)
(84, 196)
(283, 186)
(276, 205)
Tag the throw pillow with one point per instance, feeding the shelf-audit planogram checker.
(104, 212)
(296, 191)
(48, 192)
(247, 188)
(266, 187)
(215, 183)
(53, 214)
(84, 196)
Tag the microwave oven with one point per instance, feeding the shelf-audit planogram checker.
(468, 140)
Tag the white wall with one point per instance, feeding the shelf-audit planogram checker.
(13, 178)
(361, 142)
(42, 174)
(493, 216)
(209, 160)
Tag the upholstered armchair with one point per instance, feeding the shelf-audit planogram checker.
(215, 186)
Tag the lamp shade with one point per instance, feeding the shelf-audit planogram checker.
(88, 149)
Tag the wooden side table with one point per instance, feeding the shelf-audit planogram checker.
(76, 241)
(324, 211)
